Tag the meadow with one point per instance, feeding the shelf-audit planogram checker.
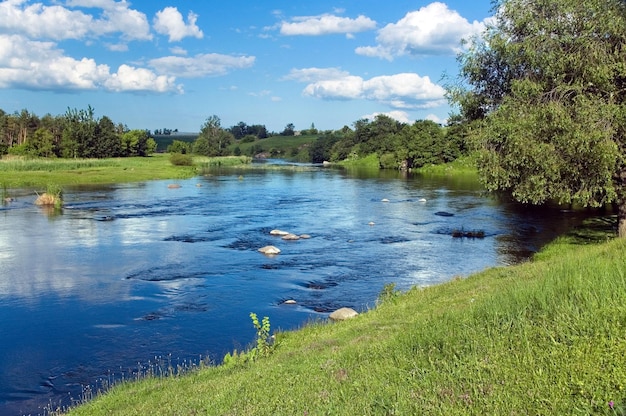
(39, 173)
(544, 337)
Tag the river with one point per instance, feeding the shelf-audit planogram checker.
(132, 276)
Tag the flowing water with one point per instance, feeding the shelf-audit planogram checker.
(137, 273)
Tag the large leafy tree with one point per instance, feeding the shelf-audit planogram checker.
(213, 139)
(547, 101)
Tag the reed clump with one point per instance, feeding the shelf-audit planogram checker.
(53, 197)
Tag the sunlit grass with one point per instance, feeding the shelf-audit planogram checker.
(544, 337)
(39, 173)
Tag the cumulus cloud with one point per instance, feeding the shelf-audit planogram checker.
(402, 91)
(38, 21)
(325, 25)
(201, 65)
(128, 78)
(315, 74)
(170, 22)
(431, 30)
(36, 65)
(401, 116)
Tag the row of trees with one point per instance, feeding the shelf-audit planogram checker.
(398, 145)
(77, 133)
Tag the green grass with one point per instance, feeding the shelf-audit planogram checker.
(39, 173)
(464, 166)
(544, 337)
(368, 162)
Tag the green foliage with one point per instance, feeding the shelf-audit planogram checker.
(179, 146)
(264, 345)
(180, 159)
(548, 94)
(137, 143)
(213, 139)
(388, 294)
(389, 161)
(57, 192)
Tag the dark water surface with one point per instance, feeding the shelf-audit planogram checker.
(136, 271)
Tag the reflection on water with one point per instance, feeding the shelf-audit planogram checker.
(131, 272)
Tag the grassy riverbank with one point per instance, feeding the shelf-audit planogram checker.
(39, 173)
(544, 337)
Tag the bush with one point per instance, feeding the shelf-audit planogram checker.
(389, 161)
(179, 159)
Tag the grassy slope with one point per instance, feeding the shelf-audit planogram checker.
(544, 337)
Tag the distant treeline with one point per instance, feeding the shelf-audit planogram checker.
(78, 133)
(397, 145)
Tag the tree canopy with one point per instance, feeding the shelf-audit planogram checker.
(545, 89)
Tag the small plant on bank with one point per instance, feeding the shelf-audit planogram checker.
(388, 294)
(264, 343)
(263, 348)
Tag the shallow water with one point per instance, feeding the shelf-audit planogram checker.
(136, 273)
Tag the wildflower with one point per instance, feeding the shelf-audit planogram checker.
(611, 404)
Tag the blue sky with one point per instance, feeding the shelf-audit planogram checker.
(171, 64)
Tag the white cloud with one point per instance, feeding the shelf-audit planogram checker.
(201, 65)
(315, 74)
(170, 22)
(128, 78)
(431, 30)
(38, 21)
(405, 90)
(325, 25)
(117, 47)
(38, 65)
(401, 116)
(435, 118)
(177, 50)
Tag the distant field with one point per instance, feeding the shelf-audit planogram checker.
(164, 140)
(281, 146)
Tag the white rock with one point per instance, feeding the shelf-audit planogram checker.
(269, 250)
(279, 232)
(342, 314)
(291, 237)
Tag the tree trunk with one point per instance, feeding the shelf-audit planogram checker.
(621, 219)
(621, 203)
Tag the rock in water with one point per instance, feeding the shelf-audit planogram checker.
(278, 232)
(342, 314)
(269, 250)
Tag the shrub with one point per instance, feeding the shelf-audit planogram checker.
(180, 159)
(388, 161)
